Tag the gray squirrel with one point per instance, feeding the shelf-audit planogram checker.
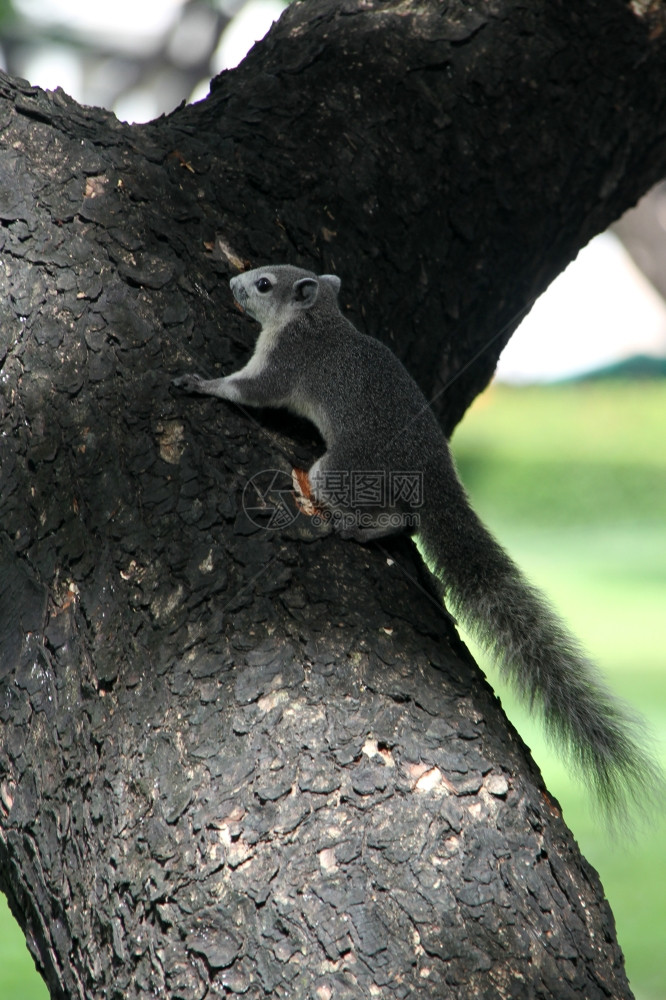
(374, 419)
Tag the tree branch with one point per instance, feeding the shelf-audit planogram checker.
(243, 761)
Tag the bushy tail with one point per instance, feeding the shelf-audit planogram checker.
(600, 736)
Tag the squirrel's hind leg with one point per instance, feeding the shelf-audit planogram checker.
(331, 490)
(367, 534)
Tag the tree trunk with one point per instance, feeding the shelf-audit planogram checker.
(258, 762)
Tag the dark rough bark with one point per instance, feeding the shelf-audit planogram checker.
(260, 763)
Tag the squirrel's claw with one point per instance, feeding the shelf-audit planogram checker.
(303, 493)
(189, 383)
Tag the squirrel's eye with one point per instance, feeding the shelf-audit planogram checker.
(264, 285)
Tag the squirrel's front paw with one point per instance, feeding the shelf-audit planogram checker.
(189, 383)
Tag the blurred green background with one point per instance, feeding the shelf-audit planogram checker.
(18, 977)
(572, 479)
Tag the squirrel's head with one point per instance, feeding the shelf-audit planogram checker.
(277, 294)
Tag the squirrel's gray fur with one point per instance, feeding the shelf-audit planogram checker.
(372, 416)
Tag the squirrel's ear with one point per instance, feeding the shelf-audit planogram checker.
(332, 281)
(305, 292)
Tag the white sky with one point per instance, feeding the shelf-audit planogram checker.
(132, 24)
(248, 26)
(600, 310)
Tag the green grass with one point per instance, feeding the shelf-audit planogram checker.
(572, 480)
(566, 455)
(18, 977)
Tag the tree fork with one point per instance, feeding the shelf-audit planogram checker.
(248, 762)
